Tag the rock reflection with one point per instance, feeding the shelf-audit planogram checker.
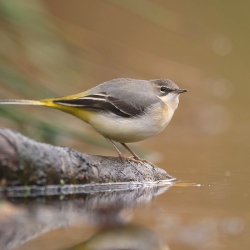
(22, 219)
(125, 237)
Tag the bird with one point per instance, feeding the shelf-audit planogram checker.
(123, 110)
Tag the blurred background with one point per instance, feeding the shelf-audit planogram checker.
(56, 48)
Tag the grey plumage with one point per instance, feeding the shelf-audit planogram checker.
(104, 96)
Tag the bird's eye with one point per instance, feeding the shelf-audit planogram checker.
(163, 89)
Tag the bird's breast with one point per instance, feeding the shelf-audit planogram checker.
(134, 129)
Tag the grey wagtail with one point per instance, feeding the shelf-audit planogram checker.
(122, 110)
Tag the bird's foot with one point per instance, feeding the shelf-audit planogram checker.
(139, 160)
(135, 159)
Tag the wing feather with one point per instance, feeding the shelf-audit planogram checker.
(103, 102)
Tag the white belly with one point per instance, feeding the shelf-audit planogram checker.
(131, 129)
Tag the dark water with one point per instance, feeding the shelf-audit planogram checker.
(203, 46)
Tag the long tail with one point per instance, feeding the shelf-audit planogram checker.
(23, 102)
(80, 113)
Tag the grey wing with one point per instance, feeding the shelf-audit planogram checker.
(103, 102)
(138, 93)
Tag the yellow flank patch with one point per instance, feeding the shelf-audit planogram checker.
(80, 113)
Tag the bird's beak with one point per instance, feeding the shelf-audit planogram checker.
(179, 91)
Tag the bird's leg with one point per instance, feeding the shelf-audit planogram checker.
(136, 157)
(116, 149)
(134, 154)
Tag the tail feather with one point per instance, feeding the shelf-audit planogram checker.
(82, 113)
(22, 102)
